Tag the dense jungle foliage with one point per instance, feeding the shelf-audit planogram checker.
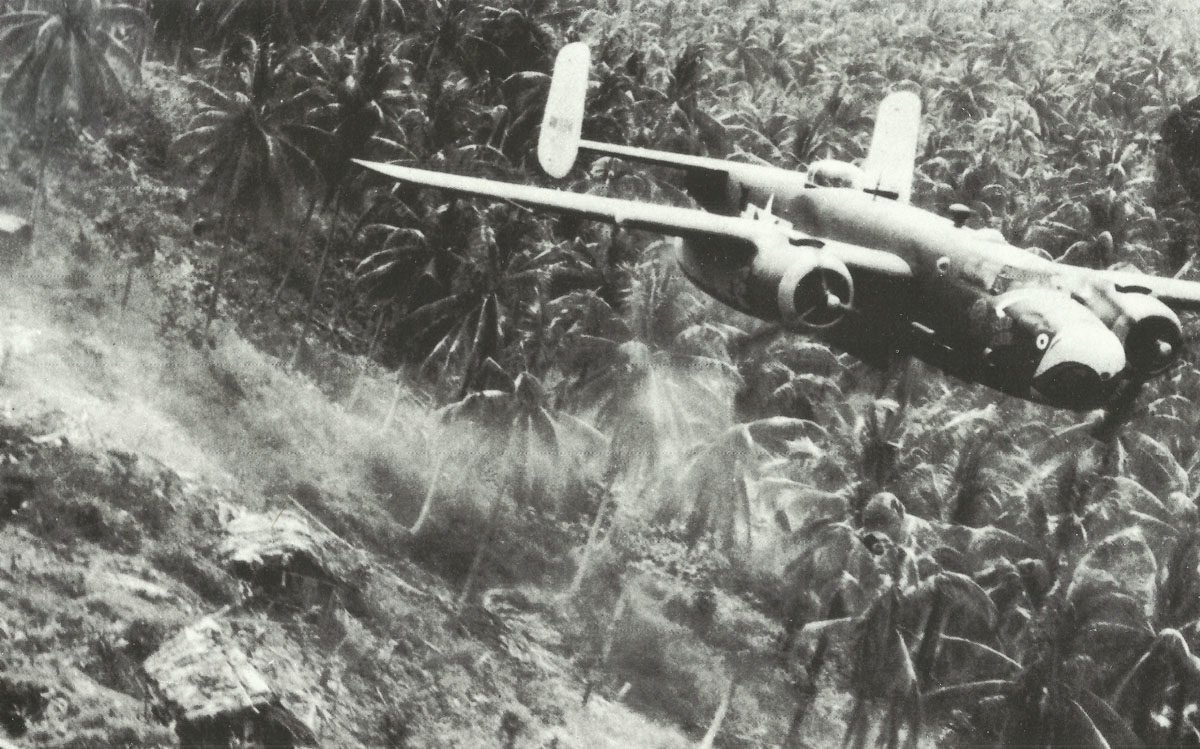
(751, 538)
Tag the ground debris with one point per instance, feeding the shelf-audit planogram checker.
(285, 558)
(257, 539)
(216, 694)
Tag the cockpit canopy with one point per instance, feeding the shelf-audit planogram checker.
(833, 173)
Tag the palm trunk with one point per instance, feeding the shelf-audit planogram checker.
(471, 370)
(40, 189)
(485, 545)
(128, 288)
(927, 653)
(352, 401)
(718, 718)
(610, 636)
(291, 263)
(219, 282)
(858, 727)
(423, 516)
(915, 718)
(396, 390)
(1179, 718)
(895, 719)
(593, 535)
(144, 42)
(431, 493)
(316, 289)
(792, 739)
(806, 692)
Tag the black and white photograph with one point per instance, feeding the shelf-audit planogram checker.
(609, 374)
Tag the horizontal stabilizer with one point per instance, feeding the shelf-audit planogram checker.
(758, 174)
(717, 185)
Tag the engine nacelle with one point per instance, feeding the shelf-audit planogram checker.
(815, 291)
(1148, 329)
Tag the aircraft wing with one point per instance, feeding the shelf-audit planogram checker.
(670, 220)
(657, 158)
(678, 222)
(1176, 293)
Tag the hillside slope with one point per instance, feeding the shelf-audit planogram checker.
(128, 453)
(448, 473)
(132, 451)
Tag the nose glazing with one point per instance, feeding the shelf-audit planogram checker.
(1079, 368)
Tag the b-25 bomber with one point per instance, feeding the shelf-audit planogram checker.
(839, 252)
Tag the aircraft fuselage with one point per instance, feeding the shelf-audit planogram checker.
(976, 307)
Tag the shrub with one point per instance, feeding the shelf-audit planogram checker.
(209, 581)
(671, 673)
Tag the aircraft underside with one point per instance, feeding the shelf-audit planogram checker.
(940, 324)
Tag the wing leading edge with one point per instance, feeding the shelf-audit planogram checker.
(1176, 293)
(664, 219)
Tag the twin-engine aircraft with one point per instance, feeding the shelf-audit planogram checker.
(839, 252)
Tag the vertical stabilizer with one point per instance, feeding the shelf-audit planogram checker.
(562, 123)
(888, 169)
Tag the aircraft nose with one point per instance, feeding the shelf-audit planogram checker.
(1079, 367)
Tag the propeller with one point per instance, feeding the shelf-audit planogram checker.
(827, 299)
(1122, 405)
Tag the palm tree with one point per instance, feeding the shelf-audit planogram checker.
(374, 17)
(715, 485)
(352, 99)
(650, 403)
(246, 142)
(407, 269)
(71, 64)
(1051, 696)
(885, 667)
(446, 37)
(788, 377)
(1180, 132)
(517, 38)
(653, 404)
(176, 30)
(1165, 678)
(1164, 682)
(495, 278)
(267, 21)
(71, 61)
(528, 440)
